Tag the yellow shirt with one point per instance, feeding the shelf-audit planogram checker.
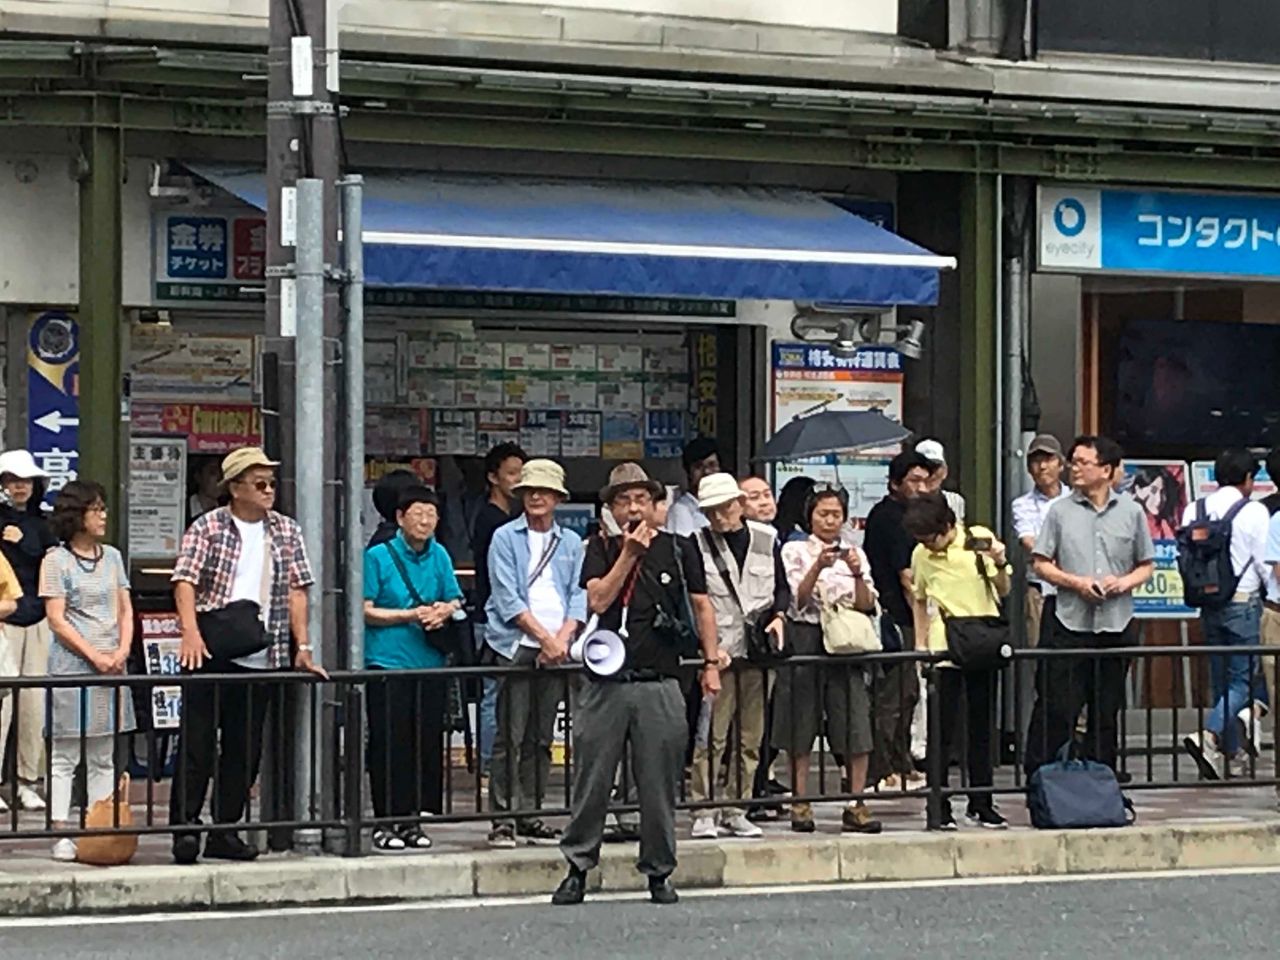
(950, 582)
(10, 588)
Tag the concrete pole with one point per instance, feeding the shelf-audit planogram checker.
(352, 200)
(303, 143)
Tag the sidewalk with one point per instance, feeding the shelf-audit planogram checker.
(1179, 829)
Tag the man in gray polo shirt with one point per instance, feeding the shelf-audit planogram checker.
(1095, 548)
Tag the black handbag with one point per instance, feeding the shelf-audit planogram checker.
(756, 636)
(233, 631)
(979, 643)
(443, 640)
(675, 630)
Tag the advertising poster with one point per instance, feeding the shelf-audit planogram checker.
(1163, 489)
(167, 365)
(157, 493)
(209, 427)
(622, 436)
(161, 644)
(1203, 484)
(866, 480)
(53, 396)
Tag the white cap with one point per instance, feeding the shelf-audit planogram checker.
(21, 464)
(932, 451)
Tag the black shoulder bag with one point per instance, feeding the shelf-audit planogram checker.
(675, 630)
(756, 635)
(443, 640)
(979, 643)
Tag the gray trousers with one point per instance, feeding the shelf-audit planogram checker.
(651, 717)
(521, 762)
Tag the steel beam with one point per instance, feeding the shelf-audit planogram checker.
(979, 276)
(102, 339)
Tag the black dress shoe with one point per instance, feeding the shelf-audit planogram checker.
(572, 889)
(661, 891)
(186, 849)
(228, 846)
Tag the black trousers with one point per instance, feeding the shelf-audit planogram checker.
(1064, 685)
(220, 738)
(895, 694)
(406, 748)
(966, 705)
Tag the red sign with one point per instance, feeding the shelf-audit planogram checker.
(208, 427)
(250, 246)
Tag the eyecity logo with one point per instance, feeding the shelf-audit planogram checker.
(1069, 217)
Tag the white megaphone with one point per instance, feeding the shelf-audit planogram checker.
(601, 651)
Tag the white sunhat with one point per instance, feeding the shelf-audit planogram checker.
(20, 464)
(717, 489)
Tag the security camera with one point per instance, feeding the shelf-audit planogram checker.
(848, 337)
(911, 344)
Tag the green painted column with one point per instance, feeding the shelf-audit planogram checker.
(100, 313)
(979, 402)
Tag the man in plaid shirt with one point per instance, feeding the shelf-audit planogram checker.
(240, 586)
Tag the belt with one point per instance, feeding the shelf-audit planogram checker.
(1271, 605)
(636, 676)
(1242, 598)
(1035, 585)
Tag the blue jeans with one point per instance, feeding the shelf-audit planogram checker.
(1232, 677)
(488, 722)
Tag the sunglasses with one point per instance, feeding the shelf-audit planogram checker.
(262, 486)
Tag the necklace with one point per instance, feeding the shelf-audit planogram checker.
(88, 564)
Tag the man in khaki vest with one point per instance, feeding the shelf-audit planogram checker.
(745, 580)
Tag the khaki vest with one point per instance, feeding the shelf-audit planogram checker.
(755, 582)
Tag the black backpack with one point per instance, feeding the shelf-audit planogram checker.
(1204, 558)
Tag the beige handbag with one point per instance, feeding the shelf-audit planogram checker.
(847, 631)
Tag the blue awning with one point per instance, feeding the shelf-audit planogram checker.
(627, 239)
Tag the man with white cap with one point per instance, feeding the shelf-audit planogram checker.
(25, 537)
(240, 587)
(746, 582)
(650, 589)
(933, 451)
(536, 605)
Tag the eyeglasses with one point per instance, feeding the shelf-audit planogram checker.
(1085, 463)
(97, 508)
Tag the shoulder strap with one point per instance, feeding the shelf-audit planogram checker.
(721, 568)
(404, 576)
(1236, 507)
(548, 552)
(1202, 510)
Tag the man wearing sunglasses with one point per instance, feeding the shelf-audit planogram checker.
(240, 587)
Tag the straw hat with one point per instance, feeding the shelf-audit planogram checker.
(542, 475)
(627, 476)
(716, 490)
(239, 462)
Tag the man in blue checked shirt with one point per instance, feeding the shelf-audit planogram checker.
(535, 607)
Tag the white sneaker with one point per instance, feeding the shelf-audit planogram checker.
(742, 828)
(704, 828)
(64, 851)
(1203, 749)
(1250, 717)
(4, 807)
(28, 799)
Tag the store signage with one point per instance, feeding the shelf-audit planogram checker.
(548, 302)
(210, 256)
(209, 427)
(53, 401)
(157, 496)
(1087, 229)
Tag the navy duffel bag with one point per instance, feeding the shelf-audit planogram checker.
(1076, 794)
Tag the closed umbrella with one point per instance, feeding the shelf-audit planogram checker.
(833, 431)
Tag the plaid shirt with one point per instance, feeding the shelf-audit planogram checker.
(210, 552)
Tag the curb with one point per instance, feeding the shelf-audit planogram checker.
(293, 881)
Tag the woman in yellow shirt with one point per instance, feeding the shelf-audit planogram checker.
(947, 582)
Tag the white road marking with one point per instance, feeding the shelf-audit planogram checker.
(423, 906)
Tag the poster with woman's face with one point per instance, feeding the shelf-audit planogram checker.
(1162, 488)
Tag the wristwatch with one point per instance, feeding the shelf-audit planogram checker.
(711, 663)
(304, 648)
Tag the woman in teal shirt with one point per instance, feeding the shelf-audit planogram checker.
(410, 596)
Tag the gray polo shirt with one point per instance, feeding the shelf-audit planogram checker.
(1088, 542)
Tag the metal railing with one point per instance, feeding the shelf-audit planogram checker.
(1152, 716)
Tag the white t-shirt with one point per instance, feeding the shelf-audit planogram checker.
(248, 584)
(544, 599)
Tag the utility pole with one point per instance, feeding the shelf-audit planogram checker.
(303, 144)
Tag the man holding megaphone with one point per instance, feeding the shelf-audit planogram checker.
(650, 589)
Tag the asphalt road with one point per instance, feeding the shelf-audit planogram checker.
(1172, 918)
